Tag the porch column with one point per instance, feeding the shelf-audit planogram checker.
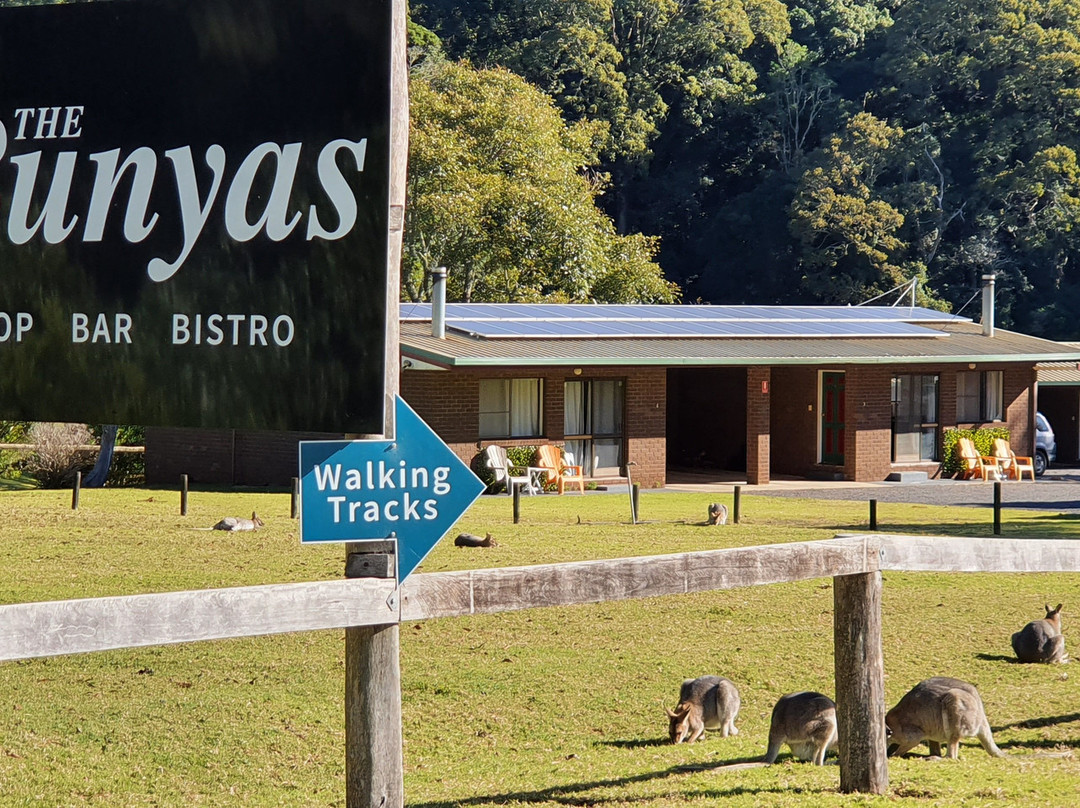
(758, 395)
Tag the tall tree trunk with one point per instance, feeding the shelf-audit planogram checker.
(97, 476)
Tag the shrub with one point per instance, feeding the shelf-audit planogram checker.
(951, 462)
(56, 455)
(515, 455)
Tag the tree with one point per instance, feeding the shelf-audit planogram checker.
(640, 66)
(850, 210)
(501, 193)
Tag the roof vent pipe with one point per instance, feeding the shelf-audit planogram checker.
(988, 305)
(438, 302)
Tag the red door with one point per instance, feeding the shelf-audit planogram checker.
(832, 418)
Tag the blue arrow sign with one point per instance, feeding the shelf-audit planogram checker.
(413, 487)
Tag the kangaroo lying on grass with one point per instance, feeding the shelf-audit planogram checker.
(235, 523)
(708, 702)
(939, 710)
(1041, 640)
(806, 722)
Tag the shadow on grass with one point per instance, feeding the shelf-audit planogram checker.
(1038, 723)
(577, 793)
(998, 658)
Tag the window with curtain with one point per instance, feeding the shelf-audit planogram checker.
(593, 425)
(511, 408)
(914, 417)
(980, 396)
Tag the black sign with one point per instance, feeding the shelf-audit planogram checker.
(193, 212)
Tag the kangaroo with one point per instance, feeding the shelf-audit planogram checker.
(234, 523)
(939, 710)
(708, 702)
(806, 722)
(1041, 640)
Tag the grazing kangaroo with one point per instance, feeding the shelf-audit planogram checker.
(1041, 640)
(806, 722)
(234, 523)
(708, 702)
(939, 710)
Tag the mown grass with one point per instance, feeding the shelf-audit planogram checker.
(545, 708)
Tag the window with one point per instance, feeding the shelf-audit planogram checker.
(511, 408)
(914, 417)
(594, 425)
(980, 396)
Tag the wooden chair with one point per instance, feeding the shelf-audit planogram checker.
(1011, 464)
(559, 470)
(506, 473)
(975, 464)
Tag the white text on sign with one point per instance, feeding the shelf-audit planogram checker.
(412, 483)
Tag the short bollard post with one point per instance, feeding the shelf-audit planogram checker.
(295, 495)
(635, 494)
(997, 508)
(183, 494)
(517, 502)
(735, 505)
(75, 491)
(873, 514)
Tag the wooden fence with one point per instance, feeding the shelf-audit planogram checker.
(371, 608)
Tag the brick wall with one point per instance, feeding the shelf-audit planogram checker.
(449, 402)
(794, 421)
(758, 402)
(224, 456)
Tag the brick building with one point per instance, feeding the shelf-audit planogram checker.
(831, 392)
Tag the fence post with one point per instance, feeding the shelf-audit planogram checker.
(374, 765)
(635, 500)
(860, 683)
(997, 507)
(294, 497)
(873, 514)
(75, 491)
(735, 504)
(183, 494)
(515, 489)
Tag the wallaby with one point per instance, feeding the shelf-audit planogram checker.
(472, 540)
(939, 710)
(717, 513)
(708, 702)
(806, 722)
(235, 523)
(1041, 640)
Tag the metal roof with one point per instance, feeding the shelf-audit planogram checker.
(958, 340)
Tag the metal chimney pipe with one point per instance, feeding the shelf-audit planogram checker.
(988, 305)
(438, 302)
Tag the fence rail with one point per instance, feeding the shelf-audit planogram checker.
(97, 624)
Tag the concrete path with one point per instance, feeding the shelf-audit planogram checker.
(1057, 490)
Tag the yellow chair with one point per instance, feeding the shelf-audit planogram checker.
(1011, 464)
(550, 459)
(975, 464)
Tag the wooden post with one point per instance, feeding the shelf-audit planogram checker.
(183, 494)
(860, 683)
(374, 766)
(75, 491)
(294, 497)
(515, 489)
(635, 498)
(735, 505)
(873, 514)
(997, 507)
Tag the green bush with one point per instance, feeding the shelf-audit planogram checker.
(516, 455)
(951, 462)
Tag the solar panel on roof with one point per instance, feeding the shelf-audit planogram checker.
(583, 320)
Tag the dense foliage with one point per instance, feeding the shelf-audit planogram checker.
(790, 151)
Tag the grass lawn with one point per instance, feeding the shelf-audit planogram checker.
(547, 707)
